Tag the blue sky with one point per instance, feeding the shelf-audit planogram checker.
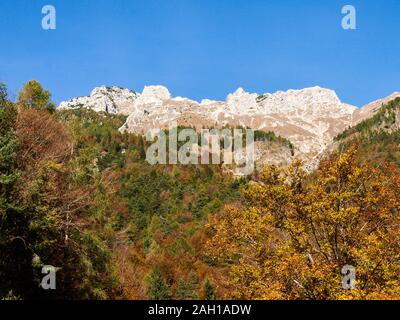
(203, 48)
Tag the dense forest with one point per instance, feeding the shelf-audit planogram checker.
(377, 138)
(78, 194)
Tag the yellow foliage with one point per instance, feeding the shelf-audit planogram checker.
(295, 232)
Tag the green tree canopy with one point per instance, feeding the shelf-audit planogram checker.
(209, 292)
(158, 288)
(34, 96)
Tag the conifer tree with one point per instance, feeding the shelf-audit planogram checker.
(157, 287)
(15, 259)
(142, 152)
(209, 292)
(182, 290)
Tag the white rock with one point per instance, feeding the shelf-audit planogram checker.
(310, 117)
(242, 102)
(112, 100)
(156, 92)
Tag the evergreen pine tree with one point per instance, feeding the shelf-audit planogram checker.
(142, 152)
(182, 290)
(193, 283)
(15, 260)
(209, 292)
(157, 287)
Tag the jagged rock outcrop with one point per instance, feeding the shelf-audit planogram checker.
(310, 118)
(112, 100)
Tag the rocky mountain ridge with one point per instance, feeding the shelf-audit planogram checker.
(310, 118)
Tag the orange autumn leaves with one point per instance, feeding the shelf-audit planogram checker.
(295, 232)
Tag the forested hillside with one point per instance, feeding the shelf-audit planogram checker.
(77, 194)
(377, 138)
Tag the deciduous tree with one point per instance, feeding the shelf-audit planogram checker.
(295, 232)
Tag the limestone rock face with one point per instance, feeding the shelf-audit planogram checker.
(242, 102)
(310, 118)
(153, 94)
(112, 100)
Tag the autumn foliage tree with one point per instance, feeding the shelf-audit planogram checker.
(58, 207)
(34, 96)
(76, 193)
(44, 210)
(295, 232)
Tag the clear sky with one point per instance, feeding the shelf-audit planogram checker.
(203, 48)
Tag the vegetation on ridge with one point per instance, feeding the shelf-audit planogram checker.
(377, 138)
(76, 193)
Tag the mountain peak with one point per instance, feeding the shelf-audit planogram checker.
(241, 101)
(159, 92)
(309, 117)
(114, 100)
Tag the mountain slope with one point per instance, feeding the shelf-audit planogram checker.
(310, 117)
(377, 138)
(371, 108)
